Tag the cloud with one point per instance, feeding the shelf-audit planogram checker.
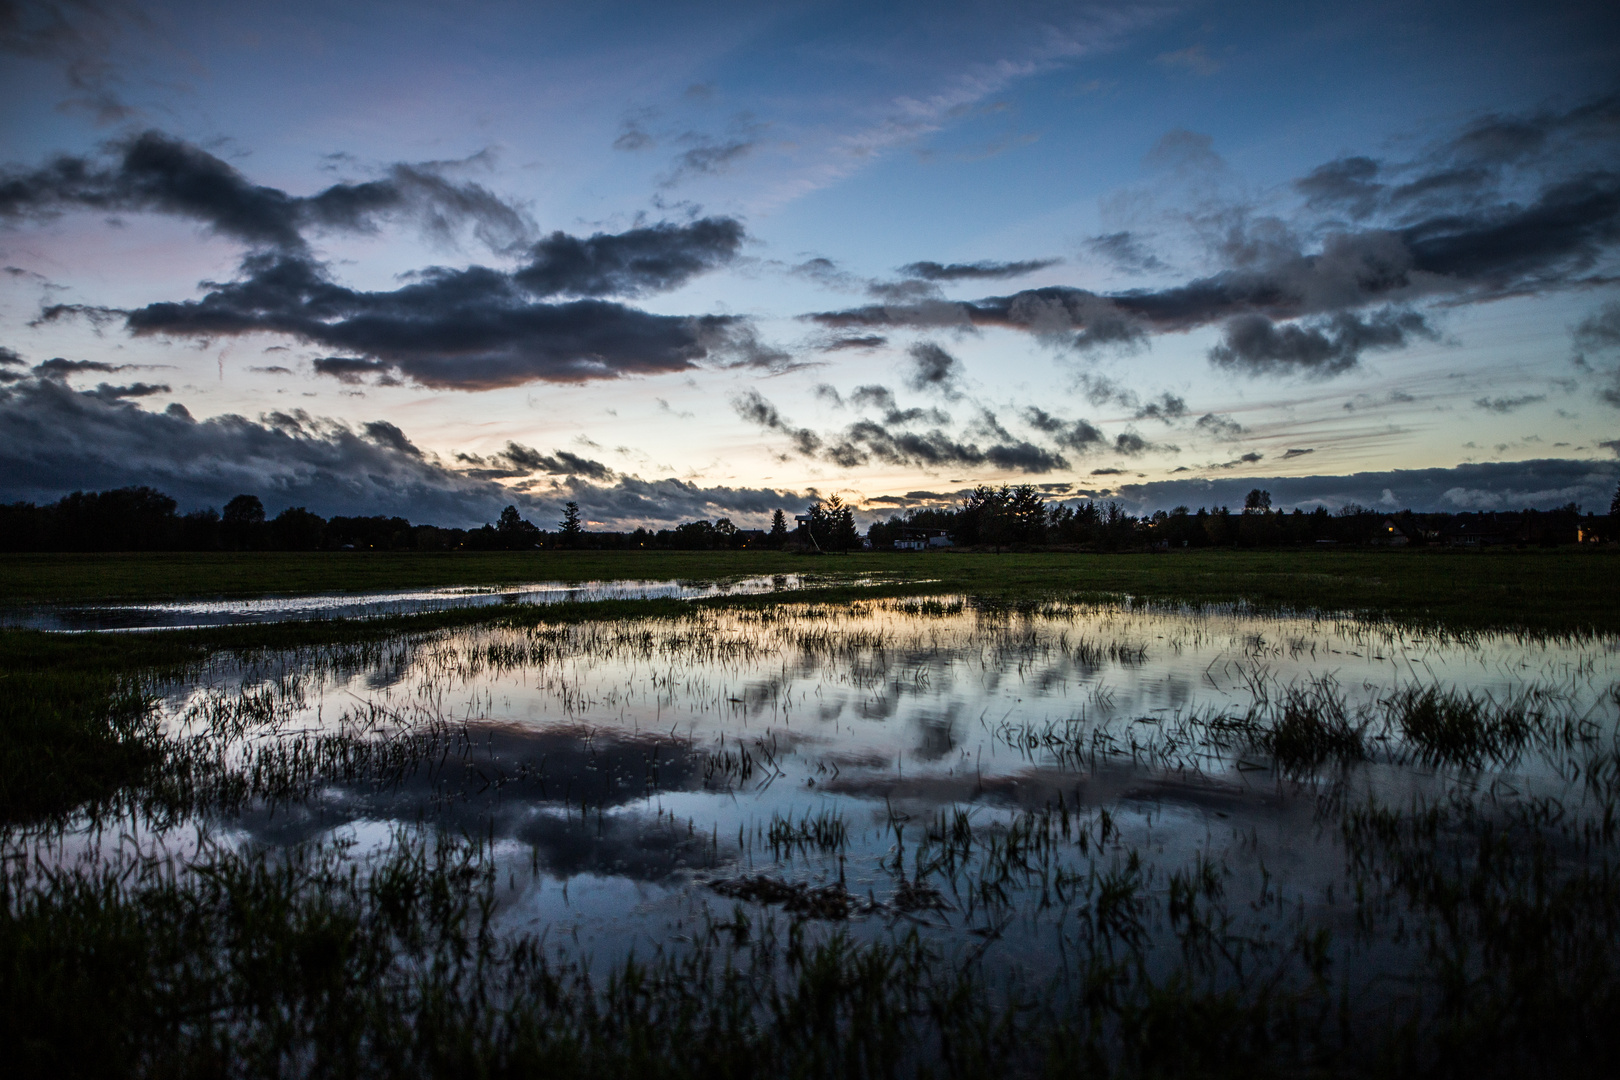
(975, 271)
(1313, 301)
(1126, 251)
(1078, 435)
(528, 460)
(58, 367)
(79, 37)
(1166, 407)
(109, 392)
(932, 368)
(1219, 427)
(451, 329)
(655, 258)
(348, 369)
(157, 173)
(709, 156)
(1508, 404)
(633, 136)
(54, 440)
(1295, 453)
(862, 341)
(1132, 444)
(1324, 347)
(870, 440)
(751, 406)
(1541, 484)
(1348, 184)
(1600, 330)
(1184, 151)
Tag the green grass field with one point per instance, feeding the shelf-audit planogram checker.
(1547, 590)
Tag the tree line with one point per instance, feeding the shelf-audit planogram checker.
(995, 518)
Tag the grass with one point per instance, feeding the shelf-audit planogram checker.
(1557, 590)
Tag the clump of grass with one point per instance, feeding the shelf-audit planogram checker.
(823, 832)
(1448, 727)
(1307, 727)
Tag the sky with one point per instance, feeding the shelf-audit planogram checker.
(679, 261)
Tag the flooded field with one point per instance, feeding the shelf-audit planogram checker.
(1336, 833)
(190, 614)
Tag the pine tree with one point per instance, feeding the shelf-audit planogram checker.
(570, 525)
(779, 530)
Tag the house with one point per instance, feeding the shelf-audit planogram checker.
(1482, 530)
(922, 539)
(1392, 534)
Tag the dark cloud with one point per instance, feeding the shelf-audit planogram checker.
(632, 501)
(388, 435)
(454, 329)
(1323, 347)
(1601, 329)
(1220, 427)
(58, 367)
(54, 440)
(1126, 251)
(1292, 305)
(975, 271)
(707, 155)
(1348, 184)
(1290, 454)
(864, 341)
(1131, 444)
(1077, 435)
(881, 398)
(562, 463)
(904, 291)
(870, 440)
(753, 408)
(865, 441)
(348, 369)
(1515, 485)
(1166, 407)
(157, 173)
(655, 258)
(1508, 404)
(109, 392)
(932, 368)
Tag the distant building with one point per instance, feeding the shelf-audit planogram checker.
(912, 539)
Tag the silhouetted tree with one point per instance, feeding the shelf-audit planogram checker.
(241, 522)
(832, 525)
(1614, 503)
(514, 533)
(570, 526)
(1257, 502)
(297, 529)
(779, 530)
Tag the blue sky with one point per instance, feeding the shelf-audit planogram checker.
(699, 261)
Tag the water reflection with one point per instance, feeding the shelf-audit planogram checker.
(184, 614)
(640, 761)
